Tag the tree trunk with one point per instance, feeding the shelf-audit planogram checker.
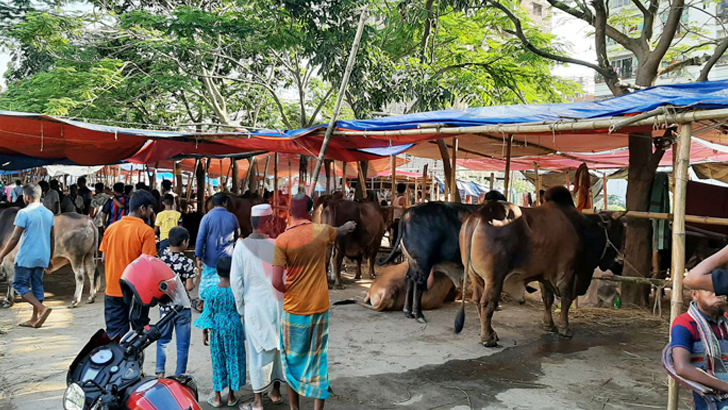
(200, 175)
(303, 174)
(638, 239)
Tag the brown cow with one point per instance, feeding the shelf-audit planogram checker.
(366, 239)
(239, 206)
(76, 241)
(387, 292)
(504, 247)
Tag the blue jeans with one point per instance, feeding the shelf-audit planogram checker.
(29, 280)
(182, 324)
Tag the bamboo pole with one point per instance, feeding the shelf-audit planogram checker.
(606, 201)
(290, 180)
(538, 184)
(549, 127)
(361, 188)
(705, 220)
(446, 167)
(178, 179)
(424, 181)
(236, 176)
(492, 181)
(680, 174)
(339, 99)
(506, 183)
(454, 181)
(343, 178)
(327, 169)
(568, 180)
(275, 182)
(393, 164)
(265, 172)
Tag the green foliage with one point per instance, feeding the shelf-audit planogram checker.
(275, 64)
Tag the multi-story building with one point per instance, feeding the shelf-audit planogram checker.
(706, 18)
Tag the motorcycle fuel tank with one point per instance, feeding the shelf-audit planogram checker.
(161, 394)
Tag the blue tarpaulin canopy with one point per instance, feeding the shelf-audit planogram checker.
(28, 140)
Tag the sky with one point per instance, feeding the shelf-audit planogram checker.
(575, 34)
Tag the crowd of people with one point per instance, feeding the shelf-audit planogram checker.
(263, 303)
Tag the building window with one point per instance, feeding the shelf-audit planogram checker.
(537, 9)
(618, 3)
(722, 10)
(623, 67)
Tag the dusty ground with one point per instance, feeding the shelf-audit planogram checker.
(384, 361)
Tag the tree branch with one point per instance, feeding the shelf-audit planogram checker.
(717, 54)
(320, 106)
(607, 73)
(680, 65)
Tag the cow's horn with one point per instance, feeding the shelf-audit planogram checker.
(619, 215)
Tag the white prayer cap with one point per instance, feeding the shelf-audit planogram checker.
(261, 210)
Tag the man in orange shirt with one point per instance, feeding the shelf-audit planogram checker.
(301, 251)
(123, 242)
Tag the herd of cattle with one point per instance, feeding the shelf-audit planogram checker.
(497, 246)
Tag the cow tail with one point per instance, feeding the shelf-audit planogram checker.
(394, 252)
(460, 318)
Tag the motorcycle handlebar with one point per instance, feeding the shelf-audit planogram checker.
(145, 338)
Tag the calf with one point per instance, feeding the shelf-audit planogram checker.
(76, 242)
(388, 290)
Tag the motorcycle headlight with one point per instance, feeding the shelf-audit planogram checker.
(74, 398)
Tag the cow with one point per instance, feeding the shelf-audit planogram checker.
(76, 242)
(239, 206)
(504, 247)
(427, 236)
(388, 290)
(366, 239)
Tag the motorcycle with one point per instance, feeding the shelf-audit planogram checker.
(108, 373)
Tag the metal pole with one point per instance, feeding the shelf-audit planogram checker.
(680, 174)
(339, 99)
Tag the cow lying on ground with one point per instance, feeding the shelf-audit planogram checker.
(76, 241)
(504, 247)
(429, 236)
(366, 239)
(388, 290)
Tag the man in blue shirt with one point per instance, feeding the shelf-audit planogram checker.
(34, 230)
(17, 191)
(219, 229)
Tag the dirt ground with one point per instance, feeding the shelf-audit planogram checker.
(385, 361)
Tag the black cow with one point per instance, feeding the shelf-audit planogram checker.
(428, 236)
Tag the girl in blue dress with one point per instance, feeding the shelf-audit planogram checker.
(224, 331)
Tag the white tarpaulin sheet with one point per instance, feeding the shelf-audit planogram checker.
(72, 170)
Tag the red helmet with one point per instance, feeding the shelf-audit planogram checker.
(149, 281)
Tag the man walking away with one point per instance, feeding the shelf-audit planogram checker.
(184, 268)
(17, 192)
(301, 250)
(167, 189)
(123, 242)
(118, 206)
(165, 221)
(260, 306)
(50, 198)
(72, 202)
(219, 229)
(85, 194)
(34, 230)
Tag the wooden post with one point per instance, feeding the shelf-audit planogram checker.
(327, 169)
(568, 180)
(680, 174)
(178, 179)
(606, 201)
(506, 183)
(538, 184)
(361, 186)
(252, 172)
(339, 99)
(343, 178)
(393, 164)
(445, 167)
(236, 176)
(290, 181)
(275, 181)
(454, 182)
(424, 181)
(265, 172)
(492, 180)
(200, 175)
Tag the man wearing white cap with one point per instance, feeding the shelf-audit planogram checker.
(260, 306)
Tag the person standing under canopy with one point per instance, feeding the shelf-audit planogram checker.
(219, 229)
(300, 252)
(260, 306)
